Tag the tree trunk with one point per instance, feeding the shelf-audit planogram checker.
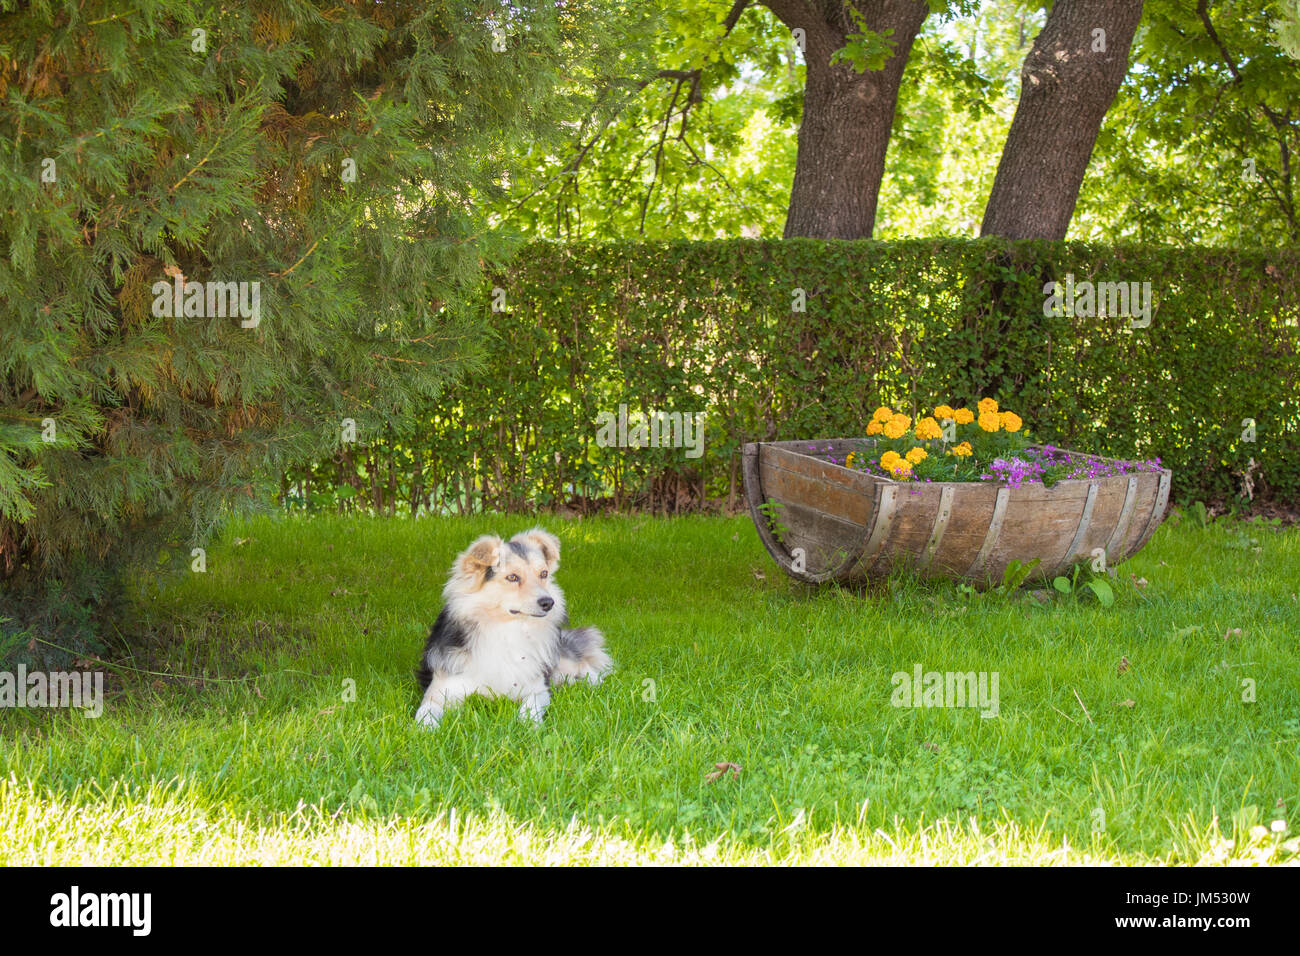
(1066, 86)
(847, 115)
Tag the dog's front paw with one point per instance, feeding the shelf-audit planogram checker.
(428, 717)
(533, 710)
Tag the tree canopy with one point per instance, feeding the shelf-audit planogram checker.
(700, 136)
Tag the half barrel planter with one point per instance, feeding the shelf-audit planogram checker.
(852, 526)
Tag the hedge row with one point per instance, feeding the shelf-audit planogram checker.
(799, 339)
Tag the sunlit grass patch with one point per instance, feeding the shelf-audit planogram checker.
(1146, 732)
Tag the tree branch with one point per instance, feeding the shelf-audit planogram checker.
(694, 77)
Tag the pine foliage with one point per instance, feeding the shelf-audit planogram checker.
(335, 154)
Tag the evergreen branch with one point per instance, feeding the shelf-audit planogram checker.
(27, 91)
(309, 251)
(394, 358)
(206, 157)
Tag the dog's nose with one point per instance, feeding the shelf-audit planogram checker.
(546, 603)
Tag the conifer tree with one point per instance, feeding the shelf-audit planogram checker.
(232, 232)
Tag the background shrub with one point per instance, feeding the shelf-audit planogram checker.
(709, 326)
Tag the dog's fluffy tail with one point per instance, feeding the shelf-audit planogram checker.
(582, 656)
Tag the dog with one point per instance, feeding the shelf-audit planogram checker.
(503, 631)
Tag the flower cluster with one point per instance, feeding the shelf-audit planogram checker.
(1049, 464)
(984, 443)
(1037, 463)
(948, 444)
(1015, 471)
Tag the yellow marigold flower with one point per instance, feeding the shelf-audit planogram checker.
(848, 462)
(1010, 421)
(883, 414)
(943, 412)
(896, 465)
(989, 421)
(987, 405)
(961, 451)
(875, 428)
(963, 416)
(917, 455)
(928, 428)
(897, 426)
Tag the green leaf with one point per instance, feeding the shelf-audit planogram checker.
(1105, 596)
(1016, 573)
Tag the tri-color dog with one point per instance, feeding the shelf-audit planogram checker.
(503, 630)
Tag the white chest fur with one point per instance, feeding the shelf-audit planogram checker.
(510, 659)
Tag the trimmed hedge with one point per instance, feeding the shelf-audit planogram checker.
(714, 327)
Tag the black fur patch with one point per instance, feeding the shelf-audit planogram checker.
(445, 633)
(576, 644)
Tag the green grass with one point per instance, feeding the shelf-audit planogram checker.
(720, 658)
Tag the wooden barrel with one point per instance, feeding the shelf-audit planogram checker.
(837, 523)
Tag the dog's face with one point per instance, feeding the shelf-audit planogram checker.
(509, 579)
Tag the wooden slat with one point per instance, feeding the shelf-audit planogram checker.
(940, 525)
(849, 504)
(990, 539)
(839, 447)
(813, 523)
(1121, 526)
(882, 523)
(1085, 519)
(1157, 513)
(754, 498)
(817, 468)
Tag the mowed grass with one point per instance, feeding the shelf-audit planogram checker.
(298, 745)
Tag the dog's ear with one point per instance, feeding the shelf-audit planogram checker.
(484, 553)
(546, 543)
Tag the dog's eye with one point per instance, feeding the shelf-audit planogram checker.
(512, 578)
(545, 573)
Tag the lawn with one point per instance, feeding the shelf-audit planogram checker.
(272, 720)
